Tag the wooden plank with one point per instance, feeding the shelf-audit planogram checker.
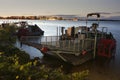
(61, 57)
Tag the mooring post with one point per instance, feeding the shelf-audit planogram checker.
(95, 44)
(63, 44)
(59, 30)
(69, 43)
(46, 40)
(78, 43)
(51, 40)
(83, 43)
(74, 45)
(57, 36)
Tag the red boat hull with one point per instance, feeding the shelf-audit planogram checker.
(106, 47)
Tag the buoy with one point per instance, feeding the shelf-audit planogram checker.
(44, 49)
(84, 52)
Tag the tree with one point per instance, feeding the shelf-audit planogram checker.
(7, 34)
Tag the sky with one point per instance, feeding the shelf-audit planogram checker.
(59, 7)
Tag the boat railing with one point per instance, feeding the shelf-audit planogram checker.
(71, 46)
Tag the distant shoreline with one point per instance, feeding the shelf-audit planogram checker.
(54, 18)
(60, 20)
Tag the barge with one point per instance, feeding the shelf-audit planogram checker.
(77, 45)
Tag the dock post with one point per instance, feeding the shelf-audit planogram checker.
(69, 43)
(46, 40)
(59, 30)
(57, 36)
(83, 43)
(95, 44)
(63, 44)
(78, 43)
(56, 41)
(74, 45)
(51, 40)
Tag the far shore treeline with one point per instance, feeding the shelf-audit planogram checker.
(52, 17)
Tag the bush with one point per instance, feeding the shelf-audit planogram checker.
(17, 65)
(7, 34)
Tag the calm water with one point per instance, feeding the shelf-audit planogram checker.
(99, 69)
(33, 52)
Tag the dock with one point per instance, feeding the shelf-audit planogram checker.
(70, 51)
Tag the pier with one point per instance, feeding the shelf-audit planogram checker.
(74, 51)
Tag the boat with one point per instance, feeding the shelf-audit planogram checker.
(25, 29)
(77, 45)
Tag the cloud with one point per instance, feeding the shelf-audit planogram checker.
(114, 18)
(107, 13)
(116, 12)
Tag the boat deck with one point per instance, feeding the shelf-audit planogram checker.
(67, 56)
(71, 58)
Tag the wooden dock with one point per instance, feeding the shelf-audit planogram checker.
(71, 58)
(68, 55)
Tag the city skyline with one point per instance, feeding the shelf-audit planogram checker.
(108, 8)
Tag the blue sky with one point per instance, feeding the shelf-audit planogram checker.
(55, 7)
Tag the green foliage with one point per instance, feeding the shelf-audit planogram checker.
(12, 54)
(7, 34)
(80, 75)
(16, 65)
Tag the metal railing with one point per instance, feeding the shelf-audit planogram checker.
(73, 46)
(70, 46)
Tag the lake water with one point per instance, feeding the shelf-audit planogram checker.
(33, 52)
(99, 70)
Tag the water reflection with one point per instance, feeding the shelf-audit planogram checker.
(33, 52)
